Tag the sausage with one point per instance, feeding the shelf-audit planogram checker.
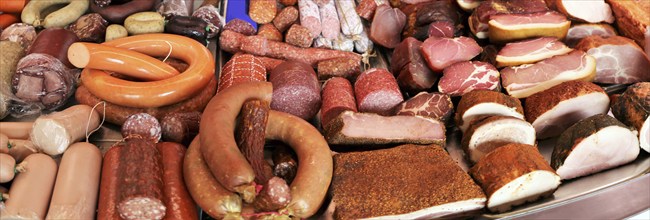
(314, 175)
(145, 22)
(31, 14)
(117, 114)
(115, 14)
(4, 144)
(178, 201)
(285, 163)
(140, 183)
(274, 195)
(310, 17)
(233, 42)
(339, 67)
(286, 17)
(210, 14)
(377, 91)
(240, 26)
(7, 167)
(172, 8)
(299, 36)
(142, 125)
(270, 63)
(16, 130)
(295, 89)
(20, 33)
(123, 61)
(107, 204)
(20, 149)
(250, 138)
(343, 43)
(363, 44)
(208, 193)
(54, 42)
(241, 68)
(53, 133)
(29, 200)
(338, 97)
(366, 9)
(77, 183)
(115, 31)
(90, 27)
(322, 42)
(15, 6)
(269, 32)
(11, 54)
(7, 20)
(192, 27)
(330, 24)
(262, 11)
(216, 133)
(180, 127)
(157, 93)
(350, 20)
(288, 2)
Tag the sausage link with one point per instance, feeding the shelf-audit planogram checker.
(31, 190)
(250, 137)
(107, 205)
(178, 201)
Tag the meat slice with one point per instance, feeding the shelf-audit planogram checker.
(485, 103)
(404, 182)
(525, 80)
(555, 109)
(469, 5)
(431, 18)
(432, 105)
(633, 108)
(413, 75)
(377, 91)
(387, 26)
(632, 19)
(592, 145)
(513, 174)
(478, 21)
(530, 51)
(618, 59)
(490, 132)
(512, 27)
(352, 128)
(579, 31)
(461, 78)
(442, 52)
(590, 11)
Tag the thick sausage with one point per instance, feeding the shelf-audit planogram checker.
(286, 17)
(123, 61)
(343, 43)
(21, 149)
(115, 14)
(77, 183)
(72, 10)
(295, 89)
(216, 133)
(142, 125)
(210, 14)
(314, 175)
(54, 42)
(158, 93)
(20, 33)
(180, 127)
(322, 42)
(339, 67)
(234, 42)
(262, 11)
(209, 194)
(107, 205)
(338, 97)
(250, 138)
(377, 91)
(7, 166)
(178, 201)
(310, 17)
(350, 20)
(270, 63)
(140, 181)
(27, 199)
(240, 26)
(90, 27)
(241, 68)
(16, 130)
(53, 133)
(330, 24)
(117, 114)
(192, 27)
(270, 32)
(299, 36)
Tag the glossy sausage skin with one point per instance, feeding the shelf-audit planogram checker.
(177, 199)
(107, 205)
(115, 14)
(16, 130)
(29, 200)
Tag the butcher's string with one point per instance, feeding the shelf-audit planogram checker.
(170, 51)
(90, 117)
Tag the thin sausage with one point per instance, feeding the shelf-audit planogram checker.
(250, 138)
(216, 133)
(178, 201)
(107, 204)
(77, 183)
(30, 200)
(209, 194)
(158, 93)
(7, 166)
(350, 20)
(314, 175)
(329, 20)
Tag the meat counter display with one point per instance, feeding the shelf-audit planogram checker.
(324, 109)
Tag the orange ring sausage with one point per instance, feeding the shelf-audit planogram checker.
(123, 61)
(156, 93)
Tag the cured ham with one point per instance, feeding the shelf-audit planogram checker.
(387, 25)
(590, 11)
(490, 132)
(633, 108)
(442, 52)
(481, 103)
(579, 31)
(530, 51)
(461, 78)
(632, 19)
(432, 105)
(592, 145)
(554, 110)
(618, 59)
(478, 21)
(407, 64)
(512, 27)
(469, 5)
(525, 80)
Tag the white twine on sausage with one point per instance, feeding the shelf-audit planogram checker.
(170, 51)
(91, 115)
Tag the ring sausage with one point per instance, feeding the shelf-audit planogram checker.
(77, 183)
(216, 133)
(156, 93)
(27, 199)
(314, 174)
(123, 61)
(215, 200)
(176, 198)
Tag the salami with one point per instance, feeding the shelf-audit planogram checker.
(269, 31)
(310, 16)
(299, 36)
(107, 205)
(295, 89)
(366, 9)
(286, 17)
(339, 67)
(363, 44)
(329, 20)
(350, 20)
(250, 137)
(241, 68)
(240, 26)
(142, 125)
(180, 127)
(343, 43)
(377, 91)
(322, 42)
(338, 97)
(262, 11)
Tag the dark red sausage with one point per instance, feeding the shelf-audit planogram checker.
(107, 206)
(177, 199)
(115, 14)
(377, 91)
(338, 97)
(295, 89)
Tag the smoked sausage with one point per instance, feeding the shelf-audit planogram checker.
(178, 201)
